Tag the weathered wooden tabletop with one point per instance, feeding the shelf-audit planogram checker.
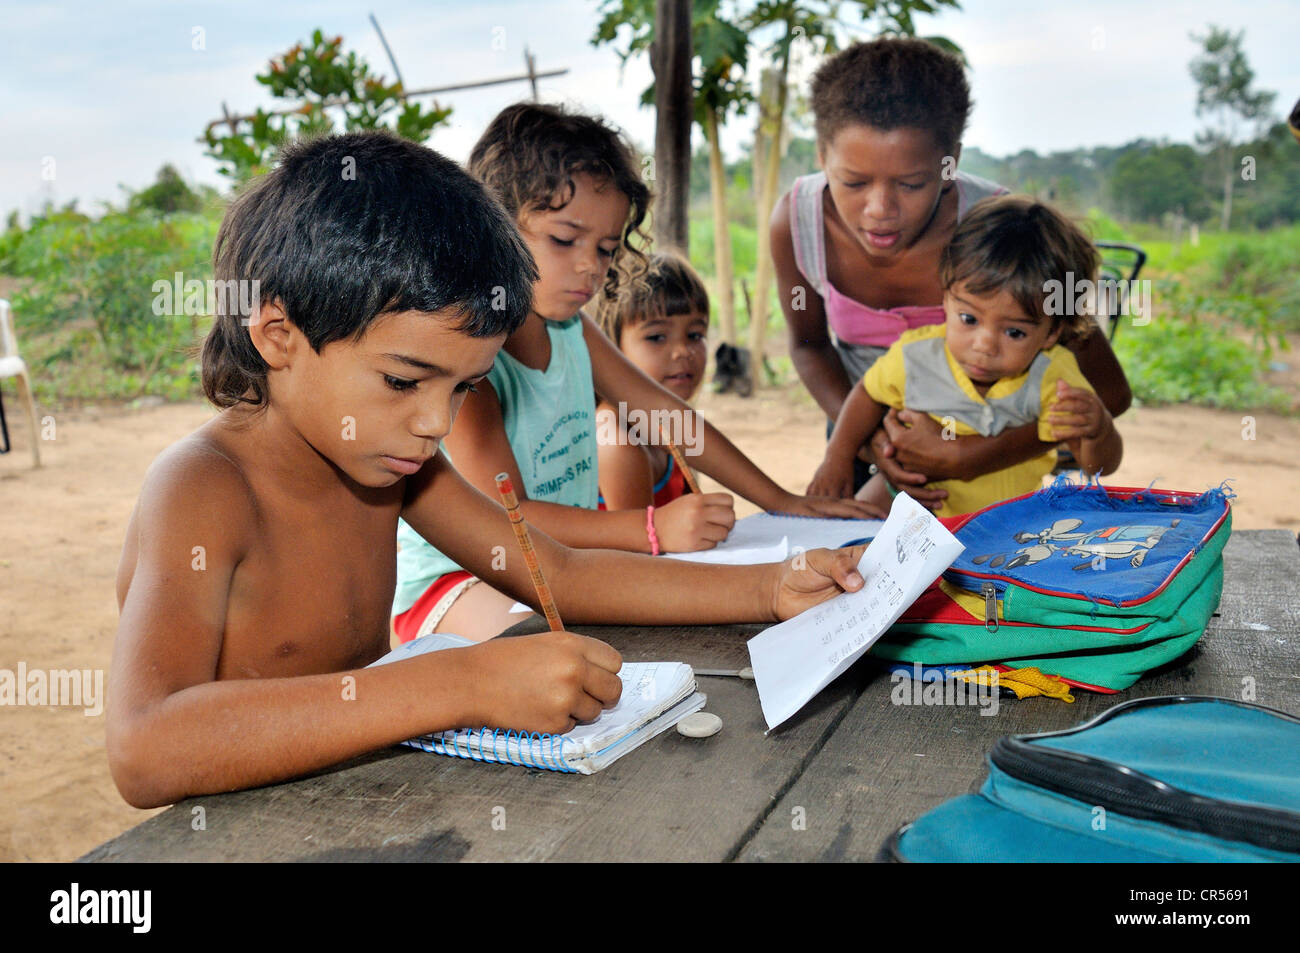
(832, 784)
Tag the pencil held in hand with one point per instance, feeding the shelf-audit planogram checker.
(511, 503)
(680, 459)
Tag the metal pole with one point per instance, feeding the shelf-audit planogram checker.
(391, 58)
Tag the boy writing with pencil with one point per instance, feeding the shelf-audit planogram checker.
(258, 569)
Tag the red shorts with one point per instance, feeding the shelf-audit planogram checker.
(407, 625)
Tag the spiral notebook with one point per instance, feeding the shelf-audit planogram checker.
(656, 695)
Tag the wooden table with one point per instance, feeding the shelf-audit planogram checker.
(832, 784)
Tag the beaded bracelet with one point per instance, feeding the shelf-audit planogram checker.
(650, 530)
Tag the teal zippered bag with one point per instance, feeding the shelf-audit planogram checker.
(1161, 779)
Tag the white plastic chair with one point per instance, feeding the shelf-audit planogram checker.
(11, 365)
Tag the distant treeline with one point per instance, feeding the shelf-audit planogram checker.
(1142, 180)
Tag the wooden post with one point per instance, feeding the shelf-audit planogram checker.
(670, 58)
(531, 65)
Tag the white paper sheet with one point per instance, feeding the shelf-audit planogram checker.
(772, 537)
(805, 532)
(796, 659)
(725, 555)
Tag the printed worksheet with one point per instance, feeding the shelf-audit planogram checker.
(796, 659)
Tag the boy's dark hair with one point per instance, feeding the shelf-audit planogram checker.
(529, 154)
(892, 83)
(670, 286)
(347, 228)
(1016, 244)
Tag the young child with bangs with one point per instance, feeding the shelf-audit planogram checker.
(257, 575)
(661, 324)
(857, 245)
(996, 362)
(572, 184)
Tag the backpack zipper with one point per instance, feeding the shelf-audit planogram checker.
(1117, 788)
(990, 593)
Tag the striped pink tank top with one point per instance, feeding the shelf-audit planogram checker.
(852, 321)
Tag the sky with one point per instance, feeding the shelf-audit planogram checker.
(97, 95)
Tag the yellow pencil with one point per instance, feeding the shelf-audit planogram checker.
(511, 503)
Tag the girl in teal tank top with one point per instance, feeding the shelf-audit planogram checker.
(573, 185)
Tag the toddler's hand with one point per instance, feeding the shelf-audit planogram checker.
(695, 521)
(1077, 414)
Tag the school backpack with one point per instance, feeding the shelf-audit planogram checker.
(1089, 586)
(1173, 778)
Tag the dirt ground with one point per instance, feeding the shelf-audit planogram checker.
(61, 530)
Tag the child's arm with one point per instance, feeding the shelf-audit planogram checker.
(910, 450)
(811, 351)
(1080, 418)
(481, 450)
(618, 379)
(859, 416)
(615, 588)
(625, 479)
(174, 731)
(1101, 367)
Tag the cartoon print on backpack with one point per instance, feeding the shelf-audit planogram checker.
(1131, 542)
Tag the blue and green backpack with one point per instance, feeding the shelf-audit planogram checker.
(1092, 585)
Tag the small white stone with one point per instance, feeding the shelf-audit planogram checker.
(701, 724)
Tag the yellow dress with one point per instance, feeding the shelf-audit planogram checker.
(886, 383)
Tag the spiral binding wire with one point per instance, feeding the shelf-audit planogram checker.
(533, 749)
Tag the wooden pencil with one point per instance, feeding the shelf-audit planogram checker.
(511, 503)
(680, 458)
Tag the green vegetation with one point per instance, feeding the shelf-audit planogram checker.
(90, 324)
(1196, 350)
(85, 309)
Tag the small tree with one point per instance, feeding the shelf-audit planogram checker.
(817, 23)
(722, 49)
(169, 194)
(317, 76)
(1223, 79)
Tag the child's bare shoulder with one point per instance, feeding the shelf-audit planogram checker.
(204, 473)
(196, 488)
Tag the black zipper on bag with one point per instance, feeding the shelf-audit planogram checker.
(1118, 788)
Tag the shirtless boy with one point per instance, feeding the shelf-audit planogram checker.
(258, 570)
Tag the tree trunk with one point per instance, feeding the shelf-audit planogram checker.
(758, 155)
(670, 58)
(1227, 199)
(725, 295)
(767, 201)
